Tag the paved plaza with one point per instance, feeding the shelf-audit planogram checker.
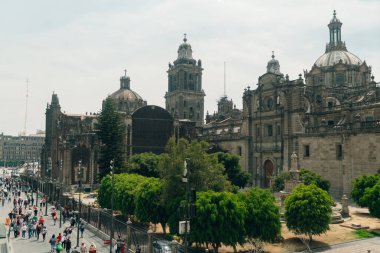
(31, 245)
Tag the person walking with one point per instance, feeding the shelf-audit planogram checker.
(92, 248)
(39, 229)
(68, 245)
(83, 248)
(23, 230)
(59, 247)
(81, 229)
(52, 242)
(119, 243)
(44, 232)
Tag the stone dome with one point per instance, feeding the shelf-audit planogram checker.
(184, 50)
(126, 95)
(126, 99)
(333, 57)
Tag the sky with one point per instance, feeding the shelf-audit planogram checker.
(79, 49)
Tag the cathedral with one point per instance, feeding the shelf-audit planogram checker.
(330, 118)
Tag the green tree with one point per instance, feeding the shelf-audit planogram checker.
(279, 181)
(359, 187)
(308, 210)
(145, 164)
(204, 172)
(262, 223)
(148, 204)
(124, 192)
(309, 177)
(372, 198)
(234, 171)
(220, 219)
(111, 132)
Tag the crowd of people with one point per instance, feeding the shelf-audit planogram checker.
(26, 219)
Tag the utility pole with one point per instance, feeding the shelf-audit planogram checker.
(185, 179)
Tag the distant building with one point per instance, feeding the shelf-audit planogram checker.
(15, 150)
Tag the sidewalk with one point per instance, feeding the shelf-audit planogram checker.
(33, 246)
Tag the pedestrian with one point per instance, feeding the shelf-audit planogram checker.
(119, 243)
(68, 245)
(92, 248)
(59, 247)
(52, 243)
(23, 230)
(44, 232)
(38, 230)
(138, 249)
(83, 248)
(41, 220)
(55, 217)
(81, 229)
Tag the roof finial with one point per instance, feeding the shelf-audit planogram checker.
(184, 37)
(272, 54)
(125, 72)
(334, 14)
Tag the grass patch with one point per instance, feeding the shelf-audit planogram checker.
(361, 233)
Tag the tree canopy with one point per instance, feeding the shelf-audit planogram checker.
(308, 210)
(204, 173)
(234, 171)
(309, 177)
(111, 132)
(263, 216)
(145, 164)
(359, 187)
(220, 219)
(125, 187)
(148, 204)
(366, 193)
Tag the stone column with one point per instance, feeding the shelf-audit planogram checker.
(345, 212)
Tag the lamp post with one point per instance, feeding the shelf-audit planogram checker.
(59, 196)
(80, 189)
(112, 222)
(185, 179)
(46, 199)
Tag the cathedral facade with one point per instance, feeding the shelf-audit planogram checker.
(330, 118)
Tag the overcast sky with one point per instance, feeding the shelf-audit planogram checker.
(79, 48)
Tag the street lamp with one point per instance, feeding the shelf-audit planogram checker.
(60, 193)
(80, 189)
(112, 221)
(185, 179)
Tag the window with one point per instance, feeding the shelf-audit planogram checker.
(340, 78)
(239, 150)
(330, 105)
(270, 130)
(278, 130)
(306, 151)
(270, 103)
(257, 131)
(330, 123)
(339, 151)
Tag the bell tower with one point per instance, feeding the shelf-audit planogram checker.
(185, 96)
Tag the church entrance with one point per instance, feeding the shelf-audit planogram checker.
(268, 173)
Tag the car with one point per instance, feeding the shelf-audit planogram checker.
(161, 246)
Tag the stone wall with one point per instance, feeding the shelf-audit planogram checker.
(359, 158)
